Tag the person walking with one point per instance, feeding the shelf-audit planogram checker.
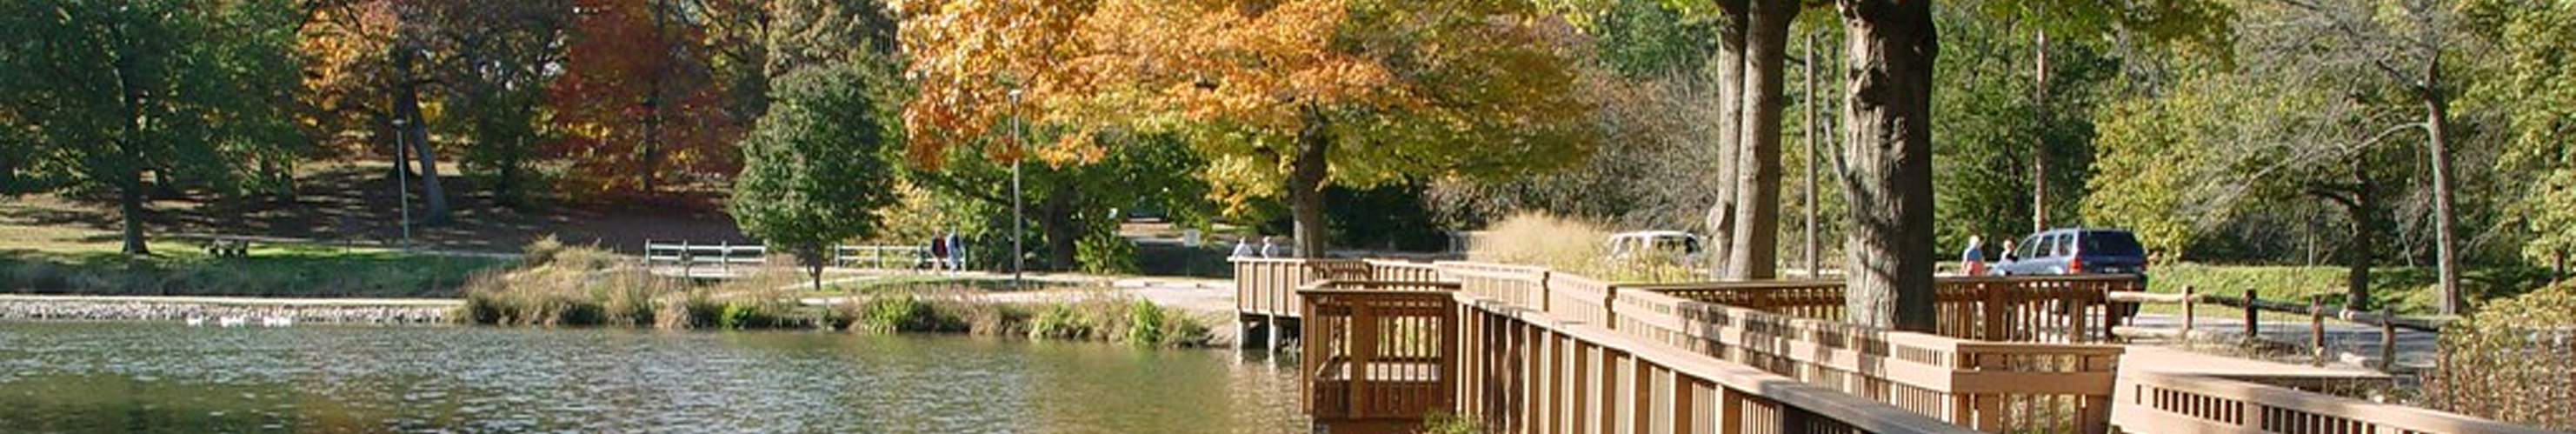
(938, 253)
(1242, 248)
(1269, 249)
(1973, 260)
(2007, 255)
(956, 251)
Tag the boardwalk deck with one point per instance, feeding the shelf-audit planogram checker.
(1529, 350)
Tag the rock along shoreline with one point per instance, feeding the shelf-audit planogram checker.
(181, 309)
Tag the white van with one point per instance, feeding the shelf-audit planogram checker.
(1682, 247)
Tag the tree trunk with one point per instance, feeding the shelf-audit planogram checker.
(2039, 139)
(652, 159)
(416, 135)
(1888, 174)
(1730, 118)
(1061, 226)
(1756, 254)
(1815, 134)
(129, 201)
(1306, 186)
(2364, 226)
(814, 260)
(2437, 124)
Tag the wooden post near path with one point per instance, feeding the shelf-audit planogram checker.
(2317, 330)
(2252, 326)
(2187, 313)
(2387, 339)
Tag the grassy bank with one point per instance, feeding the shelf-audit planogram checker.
(53, 249)
(572, 286)
(2410, 289)
(183, 268)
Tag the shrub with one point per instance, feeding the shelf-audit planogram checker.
(1058, 322)
(1145, 323)
(904, 314)
(1104, 252)
(2506, 361)
(1442, 422)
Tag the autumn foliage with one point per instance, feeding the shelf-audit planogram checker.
(636, 102)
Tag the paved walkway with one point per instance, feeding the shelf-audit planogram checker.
(2348, 345)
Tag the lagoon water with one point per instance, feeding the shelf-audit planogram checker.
(168, 378)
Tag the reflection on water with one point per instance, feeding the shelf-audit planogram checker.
(136, 377)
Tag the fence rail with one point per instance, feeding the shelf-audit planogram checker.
(2161, 402)
(886, 257)
(688, 255)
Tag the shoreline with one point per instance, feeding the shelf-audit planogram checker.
(180, 309)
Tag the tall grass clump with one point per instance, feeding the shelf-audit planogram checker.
(559, 285)
(1541, 240)
(2514, 360)
(1575, 246)
(907, 314)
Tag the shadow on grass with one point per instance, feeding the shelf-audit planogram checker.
(184, 269)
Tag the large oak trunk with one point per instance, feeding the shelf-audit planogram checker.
(1889, 248)
(1730, 118)
(1756, 250)
(129, 201)
(1306, 187)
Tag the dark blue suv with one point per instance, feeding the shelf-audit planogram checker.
(2075, 251)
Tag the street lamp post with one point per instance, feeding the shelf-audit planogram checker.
(402, 178)
(1019, 220)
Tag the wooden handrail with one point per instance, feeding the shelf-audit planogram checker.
(1864, 414)
(2167, 402)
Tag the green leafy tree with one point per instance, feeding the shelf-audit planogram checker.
(1991, 119)
(2537, 91)
(815, 168)
(106, 92)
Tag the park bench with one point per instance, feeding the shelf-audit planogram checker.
(228, 247)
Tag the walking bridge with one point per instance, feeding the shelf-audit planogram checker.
(1385, 344)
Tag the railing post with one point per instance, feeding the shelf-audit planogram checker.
(688, 260)
(1994, 309)
(2316, 330)
(2387, 339)
(2074, 319)
(2188, 303)
(2253, 327)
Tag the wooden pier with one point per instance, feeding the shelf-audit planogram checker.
(1527, 350)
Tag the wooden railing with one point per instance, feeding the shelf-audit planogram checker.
(1527, 371)
(1990, 386)
(2028, 387)
(1531, 350)
(1377, 352)
(2151, 402)
(2015, 309)
(1380, 355)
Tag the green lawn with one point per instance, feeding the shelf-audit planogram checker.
(80, 260)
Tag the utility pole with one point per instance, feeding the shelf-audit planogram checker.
(402, 179)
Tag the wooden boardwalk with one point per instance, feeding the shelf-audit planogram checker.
(1527, 350)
